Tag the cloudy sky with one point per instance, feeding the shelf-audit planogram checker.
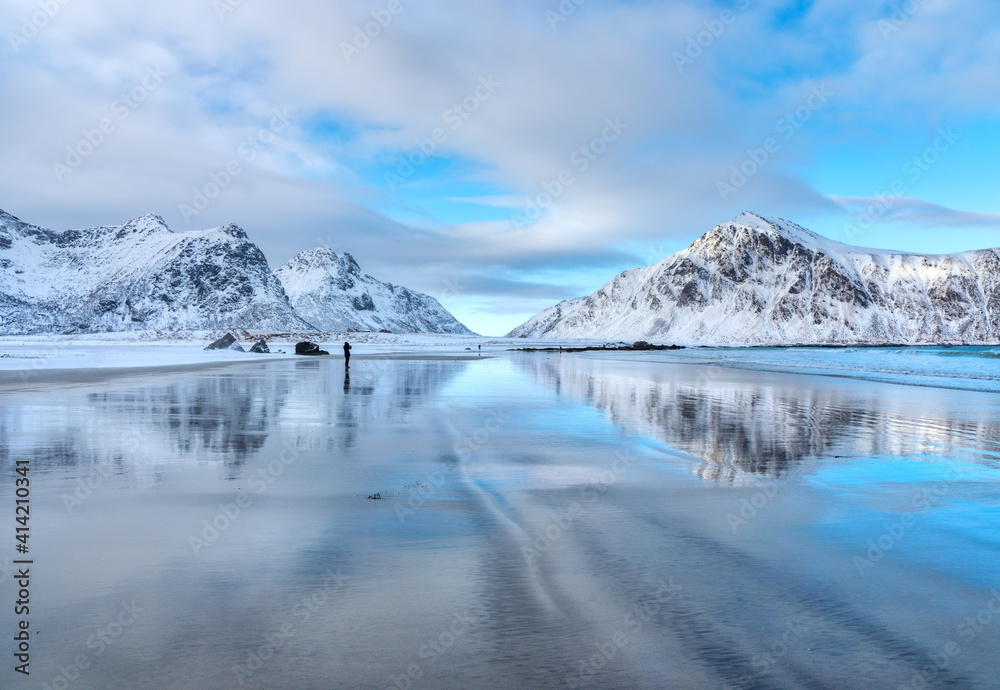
(502, 155)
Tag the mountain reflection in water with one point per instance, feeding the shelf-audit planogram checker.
(766, 424)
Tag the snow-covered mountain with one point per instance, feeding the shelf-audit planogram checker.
(544, 320)
(136, 276)
(329, 290)
(760, 280)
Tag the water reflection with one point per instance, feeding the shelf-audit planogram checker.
(224, 416)
(766, 424)
(487, 560)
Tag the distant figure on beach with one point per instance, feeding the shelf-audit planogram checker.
(480, 347)
(347, 354)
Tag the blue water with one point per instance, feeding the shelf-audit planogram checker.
(968, 368)
(700, 518)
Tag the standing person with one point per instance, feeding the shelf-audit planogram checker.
(347, 354)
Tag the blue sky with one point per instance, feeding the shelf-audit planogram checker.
(504, 155)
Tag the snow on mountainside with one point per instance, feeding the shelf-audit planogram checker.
(759, 280)
(330, 291)
(540, 324)
(136, 276)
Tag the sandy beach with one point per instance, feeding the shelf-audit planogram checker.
(586, 520)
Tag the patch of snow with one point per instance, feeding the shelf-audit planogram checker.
(135, 277)
(329, 291)
(758, 280)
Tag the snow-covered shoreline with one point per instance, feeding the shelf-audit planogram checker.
(36, 361)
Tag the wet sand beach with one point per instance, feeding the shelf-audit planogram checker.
(547, 520)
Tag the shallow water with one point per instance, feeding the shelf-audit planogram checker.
(550, 521)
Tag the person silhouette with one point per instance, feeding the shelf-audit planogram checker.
(347, 354)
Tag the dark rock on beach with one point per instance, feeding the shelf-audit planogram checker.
(226, 342)
(260, 347)
(308, 348)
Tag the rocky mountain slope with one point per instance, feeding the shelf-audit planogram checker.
(136, 276)
(546, 319)
(330, 291)
(758, 280)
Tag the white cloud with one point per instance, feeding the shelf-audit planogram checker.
(557, 88)
(895, 209)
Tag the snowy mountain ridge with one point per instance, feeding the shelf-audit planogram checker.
(330, 291)
(768, 281)
(143, 276)
(137, 276)
(547, 318)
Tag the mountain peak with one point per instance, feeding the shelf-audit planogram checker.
(330, 291)
(321, 252)
(234, 230)
(786, 229)
(751, 219)
(151, 218)
(761, 280)
(136, 276)
(323, 259)
(149, 222)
